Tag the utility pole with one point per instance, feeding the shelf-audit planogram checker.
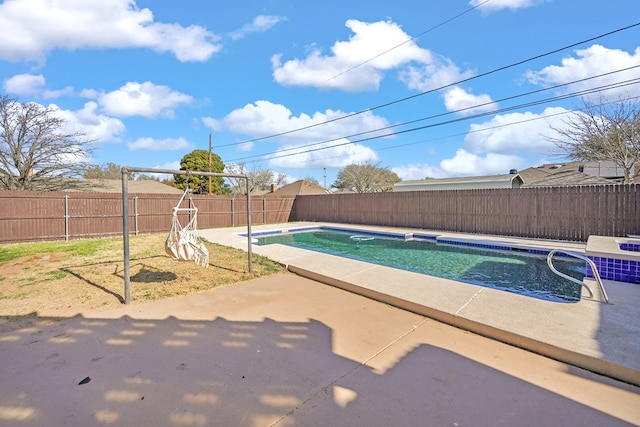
(325, 178)
(210, 162)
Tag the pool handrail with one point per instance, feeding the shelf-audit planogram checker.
(596, 275)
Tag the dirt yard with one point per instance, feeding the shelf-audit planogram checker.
(68, 282)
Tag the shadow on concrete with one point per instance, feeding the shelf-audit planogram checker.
(251, 373)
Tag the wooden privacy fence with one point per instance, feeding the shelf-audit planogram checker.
(37, 216)
(563, 213)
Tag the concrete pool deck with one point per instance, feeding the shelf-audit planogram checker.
(285, 350)
(281, 351)
(604, 338)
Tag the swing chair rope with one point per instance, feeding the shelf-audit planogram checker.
(182, 243)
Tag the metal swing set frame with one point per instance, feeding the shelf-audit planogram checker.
(126, 170)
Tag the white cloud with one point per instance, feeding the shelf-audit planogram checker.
(213, 124)
(495, 5)
(143, 99)
(95, 127)
(355, 65)
(440, 72)
(30, 84)
(259, 24)
(174, 165)
(264, 118)
(418, 171)
(469, 164)
(501, 134)
(24, 84)
(594, 60)
(323, 156)
(463, 163)
(167, 144)
(32, 28)
(456, 99)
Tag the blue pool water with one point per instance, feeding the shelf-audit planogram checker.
(514, 271)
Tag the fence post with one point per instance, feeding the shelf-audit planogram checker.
(135, 214)
(66, 217)
(233, 212)
(264, 210)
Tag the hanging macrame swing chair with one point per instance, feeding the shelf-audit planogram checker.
(182, 243)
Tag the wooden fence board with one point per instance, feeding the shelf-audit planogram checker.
(564, 213)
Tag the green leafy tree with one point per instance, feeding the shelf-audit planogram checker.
(605, 132)
(366, 178)
(198, 160)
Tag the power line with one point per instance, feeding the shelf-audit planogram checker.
(546, 116)
(443, 114)
(503, 110)
(495, 70)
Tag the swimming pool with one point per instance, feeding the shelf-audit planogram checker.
(490, 266)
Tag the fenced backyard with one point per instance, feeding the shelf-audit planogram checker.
(38, 216)
(562, 213)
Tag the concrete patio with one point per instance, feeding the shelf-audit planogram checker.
(290, 351)
(604, 338)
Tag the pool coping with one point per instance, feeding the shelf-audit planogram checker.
(588, 333)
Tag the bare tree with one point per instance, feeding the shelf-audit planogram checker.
(110, 171)
(604, 132)
(311, 180)
(366, 178)
(259, 178)
(35, 151)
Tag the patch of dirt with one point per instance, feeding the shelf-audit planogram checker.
(53, 285)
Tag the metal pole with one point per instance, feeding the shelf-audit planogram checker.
(125, 234)
(249, 238)
(125, 215)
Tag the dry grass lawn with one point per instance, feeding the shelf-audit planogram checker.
(66, 278)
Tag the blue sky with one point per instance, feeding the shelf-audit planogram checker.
(149, 81)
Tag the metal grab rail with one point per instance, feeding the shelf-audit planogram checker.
(596, 275)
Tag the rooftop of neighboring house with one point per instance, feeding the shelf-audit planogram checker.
(115, 186)
(299, 188)
(569, 177)
(512, 180)
(572, 173)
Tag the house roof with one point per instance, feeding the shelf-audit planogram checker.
(461, 183)
(573, 173)
(531, 175)
(299, 188)
(115, 186)
(569, 177)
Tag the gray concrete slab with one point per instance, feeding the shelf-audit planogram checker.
(288, 351)
(604, 338)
